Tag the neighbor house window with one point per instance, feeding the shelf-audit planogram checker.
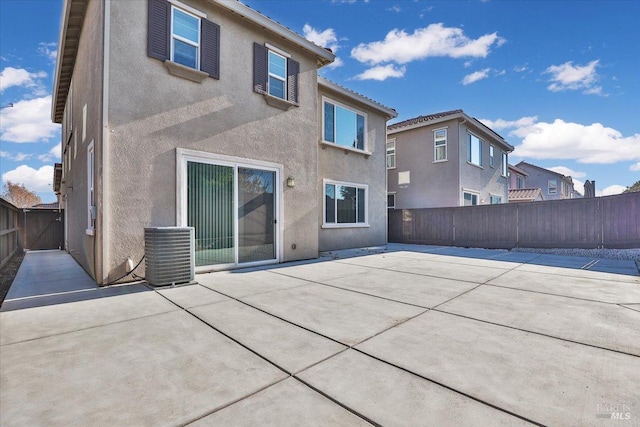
(474, 150)
(345, 204)
(504, 165)
(182, 34)
(185, 38)
(391, 200)
(391, 154)
(343, 126)
(553, 186)
(520, 181)
(492, 161)
(495, 200)
(90, 189)
(470, 199)
(440, 145)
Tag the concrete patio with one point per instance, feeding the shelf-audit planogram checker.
(407, 335)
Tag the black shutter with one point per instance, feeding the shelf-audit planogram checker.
(293, 69)
(260, 68)
(159, 27)
(210, 48)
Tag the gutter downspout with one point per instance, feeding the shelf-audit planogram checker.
(105, 147)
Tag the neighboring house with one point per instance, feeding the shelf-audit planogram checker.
(209, 114)
(519, 195)
(517, 178)
(445, 159)
(555, 186)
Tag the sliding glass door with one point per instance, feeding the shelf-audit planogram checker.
(233, 211)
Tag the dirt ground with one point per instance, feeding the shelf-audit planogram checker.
(8, 273)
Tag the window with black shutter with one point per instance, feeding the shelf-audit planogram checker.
(183, 35)
(275, 75)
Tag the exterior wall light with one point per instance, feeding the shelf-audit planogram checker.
(291, 182)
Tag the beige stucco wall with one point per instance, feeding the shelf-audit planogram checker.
(86, 90)
(151, 113)
(335, 163)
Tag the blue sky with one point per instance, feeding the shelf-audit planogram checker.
(558, 79)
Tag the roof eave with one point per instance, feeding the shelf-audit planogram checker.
(389, 112)
(426, 123)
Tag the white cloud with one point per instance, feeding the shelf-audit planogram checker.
(10, 77)
(520, 68)
(569, 77)
(325, 38)
(35, 180)
(395, 8)
(28, 121)
(593, 143)
(382, 73)
(435, 40)
(568, 171)
(578, 186)
(49, 50)
(53, 154)
(611, 190)
(476, 76)
(635, 168)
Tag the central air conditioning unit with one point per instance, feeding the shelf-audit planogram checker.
(169, 255)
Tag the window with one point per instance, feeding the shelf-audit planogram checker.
(391, 200)
(91, 204)
(440, 145)
(491, 156)
(474, 150)
(182, 35)
(343, 126)
(470, 199)
(185, 38)
(519, 181)
(553, 186)
(495, 200)
(84, 123)
(505, 164)
(345, 204)
(391, 154)
(275, 74)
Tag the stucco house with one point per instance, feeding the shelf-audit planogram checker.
(445, 159)
(206, 113)
(554, 185)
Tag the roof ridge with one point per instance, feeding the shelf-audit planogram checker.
(424, 118)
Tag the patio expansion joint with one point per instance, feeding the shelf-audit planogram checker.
(551, 294)
(438, 383)
(535, 333)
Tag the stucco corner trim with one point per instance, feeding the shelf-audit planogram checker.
(280, 103)
(188, 73)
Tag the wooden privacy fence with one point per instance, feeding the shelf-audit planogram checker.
(601, 222)
(9, 242)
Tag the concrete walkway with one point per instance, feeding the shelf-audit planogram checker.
(408, 335)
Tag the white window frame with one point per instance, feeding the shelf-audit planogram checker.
(391, 153)
(191, 12)
(492, 197)
(436, 145)
(492, 160)
(519, 179)
(473, 193)
(335, 124)
(84, 123)
(504, 158)
(91, 168)
(392, 193)
(470, 148)
(555, 187)
(326, 224)
(275, 76)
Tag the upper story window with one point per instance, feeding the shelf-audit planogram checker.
(275, 74)
(391, 154)
(439, 145)
(474, 150)
(391, 200)
(492, 161)
(553, 186)
(185, 38)
(343, 126)
(180, 34)
(505, 164)
(519, 181)
(345, 204)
